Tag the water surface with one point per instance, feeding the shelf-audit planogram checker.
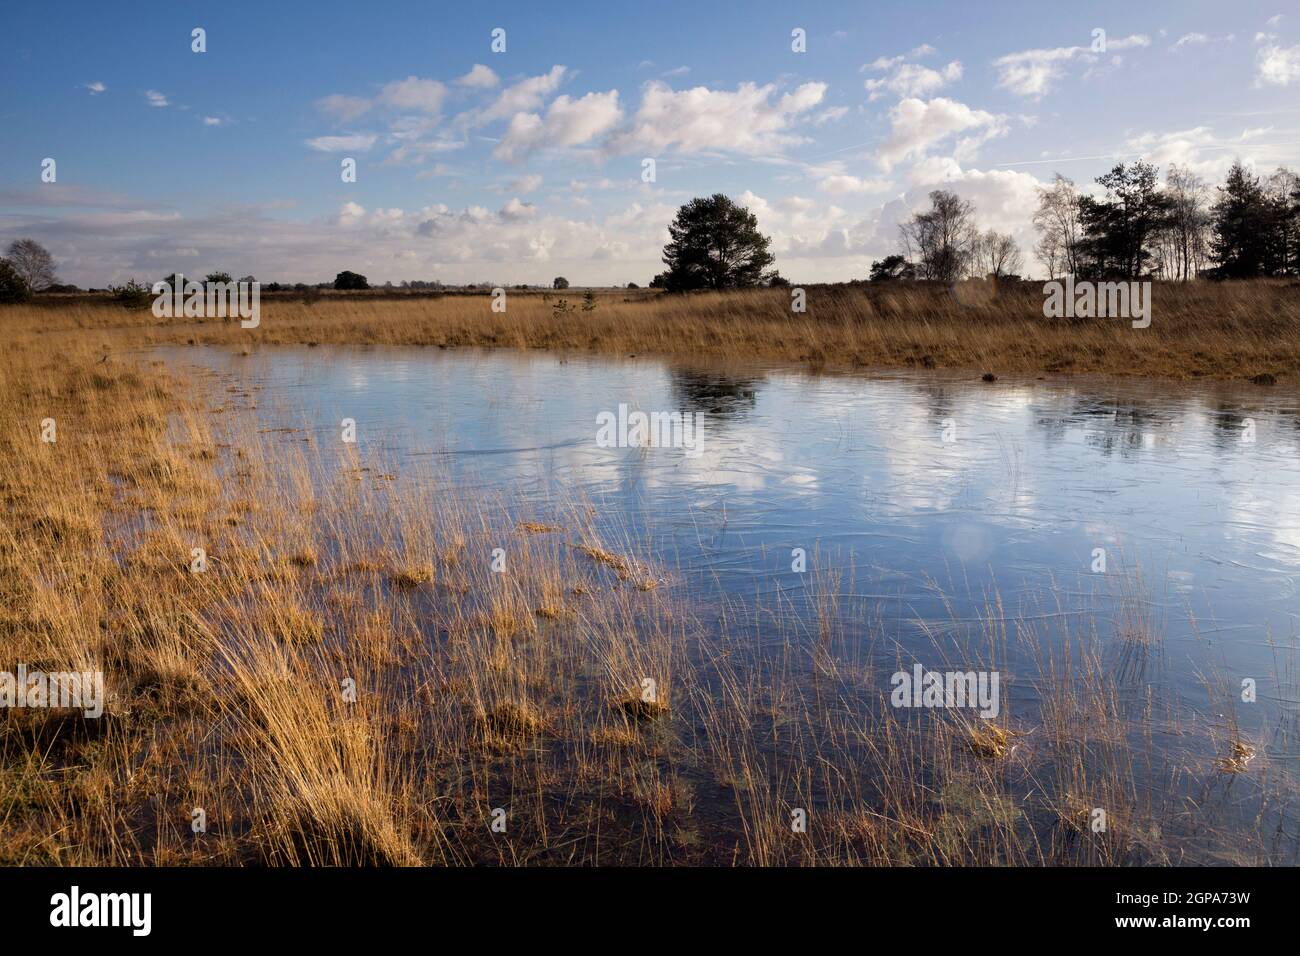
(930, 494)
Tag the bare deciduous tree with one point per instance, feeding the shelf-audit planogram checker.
(942, 240)
(996, 255)
(1049, 252)
(1184, 242)
(1057, 221)
(33, 262)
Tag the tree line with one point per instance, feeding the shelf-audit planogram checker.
(1135, 227)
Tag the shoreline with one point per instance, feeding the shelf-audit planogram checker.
(1200, 331)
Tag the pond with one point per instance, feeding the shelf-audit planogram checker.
(928, 497)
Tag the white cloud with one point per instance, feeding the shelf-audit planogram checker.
(343, 108)
(568, 122)
(351, 213)
(916, 125)
(698, 119)
(831, 115)
(1209, 155)
(419, 99)
(413, 152)
(414, 94)
(1033, 73)
(1191, 39)
(912, 79)
(353, 142)
(526, 95)
(95, 88)
(1276, 65)
(841, 183)
(515, 210)
(155, 98)
(527, 184)
(889, 62)
(212, 121)
(480, 77)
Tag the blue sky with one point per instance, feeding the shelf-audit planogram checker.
(475, 165)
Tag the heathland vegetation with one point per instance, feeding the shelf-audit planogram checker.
(952, 296)
(1200, 329)
(317, 664)
(311, 664)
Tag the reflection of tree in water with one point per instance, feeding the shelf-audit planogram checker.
(1122, 427)
(715, 394)
(937, 399)
(1112, 426)
(1229, 423)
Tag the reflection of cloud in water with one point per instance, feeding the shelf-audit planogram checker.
(1040, 474)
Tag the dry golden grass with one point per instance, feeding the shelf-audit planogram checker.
(1202, 329)
(348, 682)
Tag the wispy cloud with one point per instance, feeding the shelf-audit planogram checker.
(1033, 73)
(354, 142)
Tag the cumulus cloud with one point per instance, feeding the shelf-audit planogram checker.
(480, 77)
(95, 88)
(1203, 152)
(1276, 65)
(752, 119)
(516, 210)
(568, 122)
(917, 125)
(913, 79)
(1033, 73)
(526, 95)
(155, 98)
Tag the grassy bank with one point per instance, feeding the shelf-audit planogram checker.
(347, 680)
(1226, 330)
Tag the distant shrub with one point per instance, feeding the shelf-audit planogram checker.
(13, 287)
(891, 269)
(589, 301)
(560, 283)
(132, 295)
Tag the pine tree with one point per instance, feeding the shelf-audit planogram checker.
(1240, 223)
